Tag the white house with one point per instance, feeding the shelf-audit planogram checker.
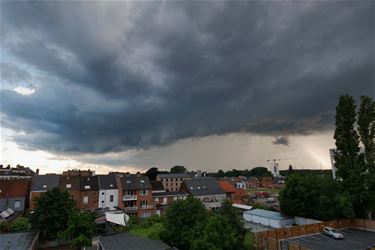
(268, 218)
(108, 192)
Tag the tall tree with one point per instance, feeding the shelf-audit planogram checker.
(52, 212)
(366, 129)
(234, 219)
(178, 169)
(184, 221)
(152, 173)
(80, 229)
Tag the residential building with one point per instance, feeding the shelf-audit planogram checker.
(79, 172)
(253, 182)
(19, 172)
(14, 194)
(108, 192)
(89, 192)
(19, 241)
(41, 184)
(157, 187)
(266, 182)
(240, 184)
(228, 189)
(172, 182)
(72, 185)
(136, 196)
(163, 199)
(205, 189)
(125, 241)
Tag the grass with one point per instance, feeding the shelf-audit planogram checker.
(272, 191)
(249, 240)
(146, 230)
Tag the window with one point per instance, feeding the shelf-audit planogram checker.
(111, 198)
(102, 193)
(17, 204)
(174, 198)
(144, 192)
(44, 186)
(68, 185)
(156, 199)
(143, 203)
(142, 181)
(111, 185)
(87, 187)
(165, 200)
(85, 199)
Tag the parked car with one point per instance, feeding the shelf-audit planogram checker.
(333, 233)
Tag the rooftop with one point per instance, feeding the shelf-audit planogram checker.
(107, 182)
(125, 241)
(44, 182)
(267, 214)
(165, 194)
(17, 241)
(227, 187)
(182, 175)
(14, 188)
(134, 182)
(203, 186)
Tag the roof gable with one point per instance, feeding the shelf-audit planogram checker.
(203, 186)
(44, 182)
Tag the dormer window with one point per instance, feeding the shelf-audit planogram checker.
(88, 179)
(142, 181)
(128, 182)
(87, 187)
(199, 187)
(44, 186)
(68, 185)
(191, 188)
(111, 185)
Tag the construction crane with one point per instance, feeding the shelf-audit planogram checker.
(275, 165)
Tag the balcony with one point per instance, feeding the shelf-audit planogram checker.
(133, 208)
(147, 206)
(129, 198)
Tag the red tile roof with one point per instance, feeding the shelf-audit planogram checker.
(14, 188)
(227, 187)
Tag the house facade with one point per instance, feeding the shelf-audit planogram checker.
(14, 194)
(89, 192)
(71, 184)
(108, 192)
(41, 184)
(163, 199)
(136, 197)
(172, 182)
(207, 190)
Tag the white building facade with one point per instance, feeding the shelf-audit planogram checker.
(108, 192)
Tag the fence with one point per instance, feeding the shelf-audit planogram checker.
(271, 239)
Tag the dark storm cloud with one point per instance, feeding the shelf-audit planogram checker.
(281, 140)
(120, 75)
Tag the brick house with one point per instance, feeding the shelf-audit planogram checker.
(14, 194)
(41, 184)
(266, 182)
(253, 182)
(72, 185)
(136, 196)
(228, 189)
(89, 186)
(163, 199)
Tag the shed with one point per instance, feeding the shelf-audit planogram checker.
(268, 218)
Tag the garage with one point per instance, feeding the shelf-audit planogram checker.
(268, 218)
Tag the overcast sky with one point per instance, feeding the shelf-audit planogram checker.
(206, 84)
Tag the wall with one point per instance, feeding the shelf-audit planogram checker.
(33, 196)
(93, 200)
(11, 202)
(104, 198)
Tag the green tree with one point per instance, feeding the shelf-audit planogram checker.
(314, 196)
(366, 130)
(81, 228)
(234, 218)
(52, 212)
(220, 173)
(20, 224)
(183, 222)
(218, 233)
(260, 172)
(178, 169)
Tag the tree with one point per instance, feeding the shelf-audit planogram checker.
(314, 196)
(184, 221)
(20, 224)
(260, 172)
(233, 217)
(178, 169)
(152, 173)
(366, 130)
(81, 228)
(218, 234)
(52, 212)
(220, 173)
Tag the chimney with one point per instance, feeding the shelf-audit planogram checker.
(37, 171)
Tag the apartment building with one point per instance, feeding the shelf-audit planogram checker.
(136, 196)
(172, 182)
(14, 194)
(72, 185)
(163, 199)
